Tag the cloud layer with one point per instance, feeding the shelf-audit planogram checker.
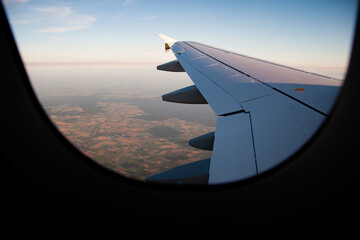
(65, 20)
(52, 19)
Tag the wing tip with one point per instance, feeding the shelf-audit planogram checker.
(166, 38)
(168, 41)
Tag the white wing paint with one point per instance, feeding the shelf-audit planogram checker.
(266, 111)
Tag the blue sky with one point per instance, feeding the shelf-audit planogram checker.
(295, 33)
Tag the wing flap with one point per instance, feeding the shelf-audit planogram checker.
(278, 131)
(233, 155)
(253, 142)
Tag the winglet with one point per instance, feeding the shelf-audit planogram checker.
(168, 41)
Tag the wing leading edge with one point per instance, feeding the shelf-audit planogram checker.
(266, 111)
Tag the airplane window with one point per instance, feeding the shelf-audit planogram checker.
(195, 114)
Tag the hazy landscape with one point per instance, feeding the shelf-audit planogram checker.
(117, 117)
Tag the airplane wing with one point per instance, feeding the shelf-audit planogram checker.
(266, 111)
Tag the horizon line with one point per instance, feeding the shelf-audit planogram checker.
(92, 63)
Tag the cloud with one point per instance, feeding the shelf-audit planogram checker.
(63, 19)
(127, 2)
(15, 1)
(55, 12)
(150, 18)
(79, 23)
(153, 17)
(24, 21)
(49, 19)
(118, 16)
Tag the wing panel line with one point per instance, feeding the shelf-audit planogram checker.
(253, 140)
(261, 60)
(215, 81)
(211, 80)
(316, 110)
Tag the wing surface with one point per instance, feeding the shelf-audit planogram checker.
(266, 111)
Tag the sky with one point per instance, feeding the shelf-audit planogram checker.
(294, 33)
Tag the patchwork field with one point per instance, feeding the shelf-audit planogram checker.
(120, 138)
